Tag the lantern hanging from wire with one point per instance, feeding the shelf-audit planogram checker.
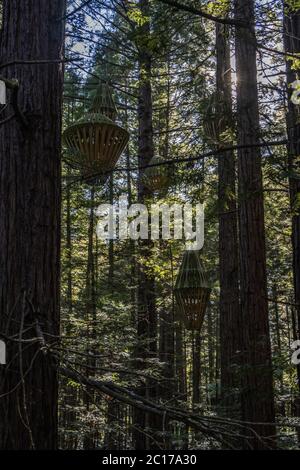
(95, 142)
(192, 291)
(156, 176)
(213, 124)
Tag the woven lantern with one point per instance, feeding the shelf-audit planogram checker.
(213, 123)
(95, 142)
(211, 132)
(104, 103)
(191, 291)
(156, 178)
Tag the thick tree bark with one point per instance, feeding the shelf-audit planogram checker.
(257, 386)
(146, 310)
(30, 220)
(89, 441)
(292, 45)
(228, 233)
(67, 415)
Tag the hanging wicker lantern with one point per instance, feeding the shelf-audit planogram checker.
(191, 291)
(95, 142)
(103, 102)
(213, 123)
(211, 131)
(156, 178)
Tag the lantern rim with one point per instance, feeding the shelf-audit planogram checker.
(95, 119)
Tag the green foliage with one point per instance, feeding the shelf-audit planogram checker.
(293, 5)
(218, 7)
(136, 16)
(295, 62)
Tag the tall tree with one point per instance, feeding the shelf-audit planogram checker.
(146, 309)
(292, 46)
(228, 233)
(32, 32)
(91, 316)
(257, 381)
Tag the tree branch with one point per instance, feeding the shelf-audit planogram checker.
(203, 14)
(39, 62)
(76, 10)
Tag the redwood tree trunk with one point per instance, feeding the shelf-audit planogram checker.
(257, 386)
(146, 310)
(292, 45)
(30, 220)
(89, 441)
(228, 234)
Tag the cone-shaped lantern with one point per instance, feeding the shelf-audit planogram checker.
(213, 123)
(211, 131)
(212, 127)
(95, 142)
(103, 102)
(191, 290)
(156, 178)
